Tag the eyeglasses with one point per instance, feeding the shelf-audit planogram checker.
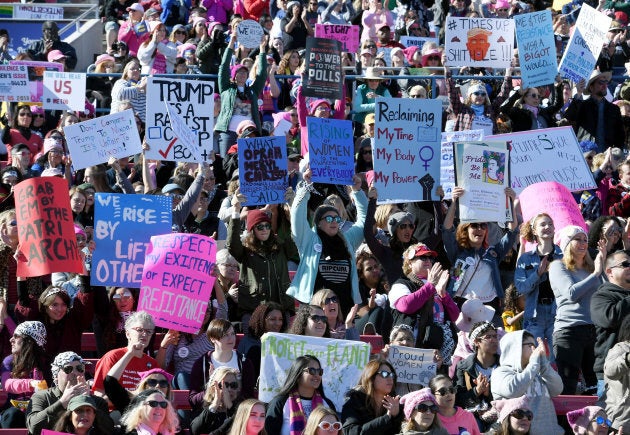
(479, 94)
(119, 297)
(56, 151)
(385, 374)
(156, 403)
(176, 196)
(37, 116)
(602, 82)
(263, 227)
(405, 226)
(29, 114)
(433, 58)
(294, 160)
(421, 407)
(152, 383)
(479, 226)
(141, 331)
(313, 371)
(329, 219)
(366, 151)
(329, 427)
(180, 32)
(317, 318)
(502, 10)
(80, 368)
(331, 300)
(625, 264)
(323, 109)
(445, 390)
(424, 258)
(230, 385)
(522, 413)
(601, 420)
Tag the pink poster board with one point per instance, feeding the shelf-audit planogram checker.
(177, 281)
(346, 34)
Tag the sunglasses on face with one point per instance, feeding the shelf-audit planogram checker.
(445, 390)
(479, 94)
(156, 403)
(479, 226)
(26, 114)
(180, 32)
(625, 264)
(601, 421)
(329, 427)
(314, 372)
(522, 413)
(230, 385)
(152, 383)
(421, 407)
(385, 374)
(79, 368)
(263, 227)
(119, 297)
(331, 300)
(317, 318)
(330, 219)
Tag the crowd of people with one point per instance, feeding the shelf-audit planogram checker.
(516, 313)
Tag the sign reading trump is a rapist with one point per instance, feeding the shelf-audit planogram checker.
(177, 280)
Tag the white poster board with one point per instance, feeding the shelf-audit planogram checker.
(479, 42)
(96, 140)
(183, 132)
(249, 34)
(37, 12)
(447, 165)
(342, 361)
(413, 366)
(64, 91)
(14, 85)
(417, 41)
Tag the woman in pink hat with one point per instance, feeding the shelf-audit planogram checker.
(590, 420)
(157, 54)
(515, 416)
(420, 408)
(100, 88)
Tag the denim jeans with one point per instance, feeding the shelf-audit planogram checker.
(226, 140)
(574, 348)
(542, 326)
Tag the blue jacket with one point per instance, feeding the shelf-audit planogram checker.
(526, 279)
(310, 245)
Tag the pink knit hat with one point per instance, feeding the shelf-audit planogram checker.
(167, 375)
(506, 406)
(581, 418)
(236, 68)
(414, 398)
(316, 103)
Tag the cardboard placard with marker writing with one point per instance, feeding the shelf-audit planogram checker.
(479, 42)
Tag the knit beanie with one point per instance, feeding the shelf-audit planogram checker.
(396, 219)
(567, 234)
(414, 398)
(321, 211)
(255, 217)
(506, 406)
(581, 418)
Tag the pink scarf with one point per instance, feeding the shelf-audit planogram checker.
(297, 418)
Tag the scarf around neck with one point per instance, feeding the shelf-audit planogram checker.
(297, 418)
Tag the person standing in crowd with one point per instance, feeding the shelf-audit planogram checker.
(39, 49)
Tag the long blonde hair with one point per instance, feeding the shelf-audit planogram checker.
(239, 426)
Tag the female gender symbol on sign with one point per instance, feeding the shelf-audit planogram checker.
(428, 158)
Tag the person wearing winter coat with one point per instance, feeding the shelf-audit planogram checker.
(617, 378)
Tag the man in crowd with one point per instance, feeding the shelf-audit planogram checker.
(50, 41)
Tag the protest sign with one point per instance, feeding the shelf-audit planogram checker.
(554, 199)
(342, 361)
(177, 280)
(447, 166)
(417, 41)
(587, 39)
(183, 132)
(96, 140)
(249, 33)
(407, 149)
(194, 101)
(331, 149)
(45, 228)
(37, 12)
(347, 35)
(123, 226)
(64, 91)
(323, 78)
(36, 76)
(14, 85)
(550, 154)
(482, 169)
(413, 366)
(536, 48)
(479, 42)
(262, 168)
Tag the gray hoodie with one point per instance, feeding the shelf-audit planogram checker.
(538, 381)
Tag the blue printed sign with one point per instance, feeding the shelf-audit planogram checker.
(536, 48)
(330, 146)
(262, 169)
(123, 226)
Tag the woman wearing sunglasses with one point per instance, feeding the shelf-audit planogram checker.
(455, 420)
(109, 328)
(420, 408)
(155, 378)
(590, 420)
(82, 418)
(523, 108)
(19, 131)
(328, 301)
(323, 421)
(302, 392)
(310, 320)
(515, 416)
(610, 229)
(475, 262)
(327, 255)
(221, 401)
(372, 406)
(150, 413)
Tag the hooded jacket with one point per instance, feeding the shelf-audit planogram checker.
(617, 394)
(538, 381)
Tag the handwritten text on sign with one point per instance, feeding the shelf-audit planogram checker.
(347, 35)
(331, 146)
(262, 168)
(96, 140)
(342, 361)
(194, 101)
(536, 48)
(479, 42)
(14, 84)
(413, 366)
(45, 228)
(177, 281)
(123, 226)
(407, 149)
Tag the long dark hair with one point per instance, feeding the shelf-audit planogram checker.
(30, 357)
(271, 245)
(301, 319)
(295, 373)
(366, 383)
(257, 322)
(64, 424)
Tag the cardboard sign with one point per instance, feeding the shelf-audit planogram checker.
(45, 228)
(479, 42)
(482, 169)
(412, 365)
(123, 226)
(407, 149)
(550, 154)
(177, 280)
(36, 76)
(447, 166)
(323, 78)
(183, 132)
(262, 169)
(96, 140)
(249, 33)
(582, 51)
(37, 12)
(347, 35)
(331, 146)
(555, 200)
(64, 91)
(536, 48)
(14, 86)
(417, 41)
(342, 361)
(194, 101)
